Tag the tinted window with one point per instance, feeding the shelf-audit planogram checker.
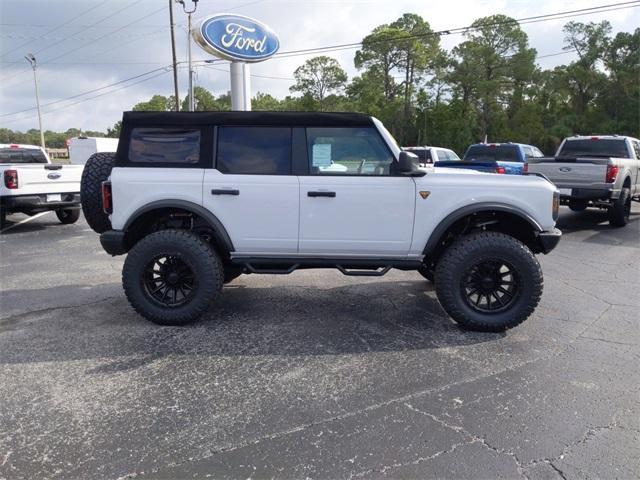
(347, 151)
(595, 148)
(492, 153)
(164, 145)
(22, 155)
(254, 150)
(423, 154)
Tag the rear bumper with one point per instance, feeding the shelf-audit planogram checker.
(589, 194)
(549, 240)
(39, 203)
(112, 242)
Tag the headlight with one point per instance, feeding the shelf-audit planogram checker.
(556, 205)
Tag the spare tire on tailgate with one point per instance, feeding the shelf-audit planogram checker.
(96, 170)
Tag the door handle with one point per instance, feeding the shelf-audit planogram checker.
(225, 191)
(321, 194)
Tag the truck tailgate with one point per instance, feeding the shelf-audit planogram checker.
(45, 178)
(572, 173)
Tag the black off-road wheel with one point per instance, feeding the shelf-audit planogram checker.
(620, 211)
(96, 170)
(488, 282)
(172, 277)
(68, 215)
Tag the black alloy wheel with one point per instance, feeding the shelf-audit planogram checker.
(169, 281)
(490, 286)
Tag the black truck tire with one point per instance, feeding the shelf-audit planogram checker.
(172, 277)
(96, 170)
(578, 205)
(488, 281)
(68, 215)
(621, 209)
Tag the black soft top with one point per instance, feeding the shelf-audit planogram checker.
(291, 119)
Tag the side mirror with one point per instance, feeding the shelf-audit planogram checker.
(408, 165)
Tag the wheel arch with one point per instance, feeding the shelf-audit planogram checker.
(500, 217)
(221, 237)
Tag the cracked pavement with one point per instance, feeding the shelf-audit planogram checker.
(317, 375)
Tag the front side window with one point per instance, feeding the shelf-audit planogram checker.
(164, 145)
(347, 151)
(254, 150)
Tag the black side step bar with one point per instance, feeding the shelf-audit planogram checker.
(359, 267)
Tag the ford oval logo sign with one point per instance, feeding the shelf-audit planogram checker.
(54, 175)
(565, 169)
(236, 37)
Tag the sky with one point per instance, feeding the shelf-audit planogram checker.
(84, 45)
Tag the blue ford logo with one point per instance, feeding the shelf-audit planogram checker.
(565, 169)
(53, 175)
(235, 37)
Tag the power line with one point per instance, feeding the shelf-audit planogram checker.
(55, 28)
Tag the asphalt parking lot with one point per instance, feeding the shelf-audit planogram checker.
(315, 374)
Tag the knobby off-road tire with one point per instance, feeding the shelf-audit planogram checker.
(621, 209)
(68, 215)
(184, 264)
(482, 261)
(96, 170)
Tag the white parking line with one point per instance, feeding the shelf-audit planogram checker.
(25, 221)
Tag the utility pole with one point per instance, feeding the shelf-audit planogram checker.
(173, 54)
(32, 60)
(189, 13)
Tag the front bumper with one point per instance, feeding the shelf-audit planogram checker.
(549, 240)
(38, 203)
(112, 242)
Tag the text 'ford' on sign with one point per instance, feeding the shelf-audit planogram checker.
(236, 37)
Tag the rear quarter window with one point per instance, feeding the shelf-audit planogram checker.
(164, 146)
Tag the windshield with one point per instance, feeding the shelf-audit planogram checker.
(22, 155)
(492, 153)
(595, 148)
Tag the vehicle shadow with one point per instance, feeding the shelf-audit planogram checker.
(595, 224)
(246, 320)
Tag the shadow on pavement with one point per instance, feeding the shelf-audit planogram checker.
(278, 320)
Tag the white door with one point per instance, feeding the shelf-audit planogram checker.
(252, 190)
(350, 204)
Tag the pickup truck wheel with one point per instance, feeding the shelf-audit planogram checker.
(96, 170)
(621, 209)
(488, 282)
(69, 215)
(426, 272)
(172, 277)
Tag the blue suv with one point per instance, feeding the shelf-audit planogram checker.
(508, 158)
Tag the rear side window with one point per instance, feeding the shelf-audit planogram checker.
(164, 145)
(22, 155)
(347, 151)
(423, 154)
(254, 150)
(492, 153)
(595, 148)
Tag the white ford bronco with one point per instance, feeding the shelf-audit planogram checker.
(197, 199)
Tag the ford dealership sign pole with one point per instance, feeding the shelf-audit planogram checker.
(241, 40)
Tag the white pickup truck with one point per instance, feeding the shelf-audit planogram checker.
(32, 184)
(600, 171)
